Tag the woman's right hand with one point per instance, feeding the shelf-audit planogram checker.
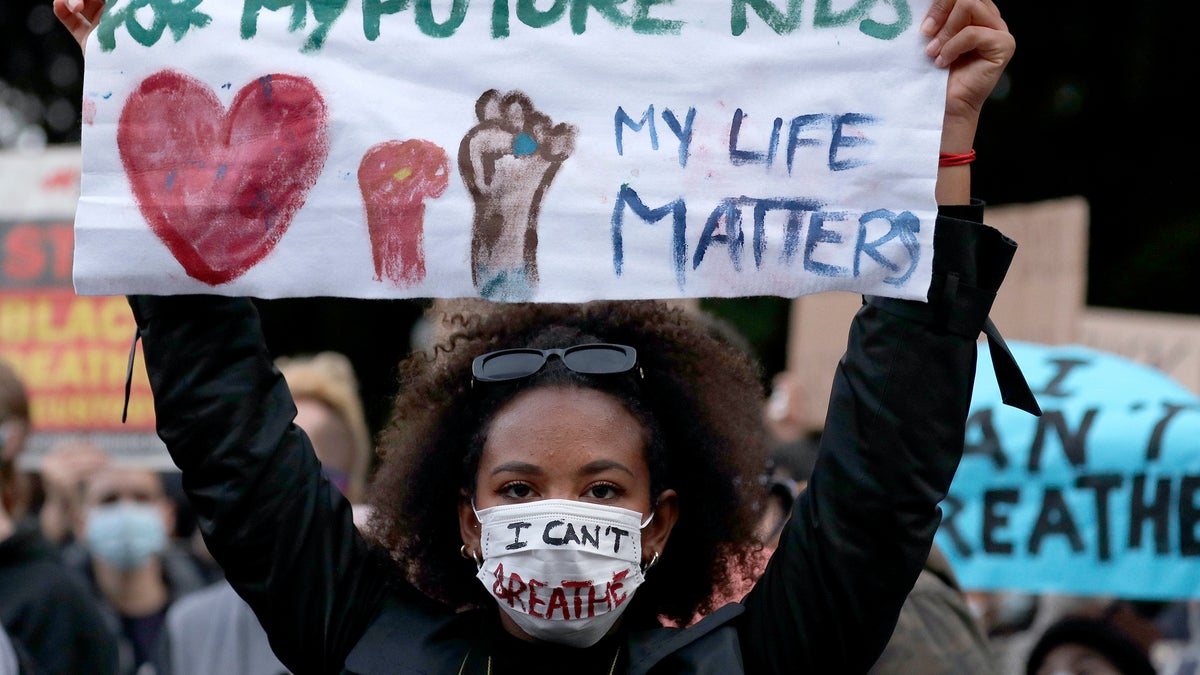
(79, 16)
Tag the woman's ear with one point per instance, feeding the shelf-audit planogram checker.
(654, 537)
(468, 527)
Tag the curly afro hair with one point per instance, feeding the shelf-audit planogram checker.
(698, 397)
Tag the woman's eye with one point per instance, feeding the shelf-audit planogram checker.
(603, 491)
(516, 491)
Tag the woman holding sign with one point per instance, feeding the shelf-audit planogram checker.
(560, 479)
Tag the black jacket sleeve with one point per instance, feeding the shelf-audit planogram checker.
(860, 533)
(283, 534)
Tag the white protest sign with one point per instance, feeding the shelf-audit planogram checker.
(554, 150)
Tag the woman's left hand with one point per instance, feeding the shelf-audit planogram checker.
(972, 40)
(79, 16)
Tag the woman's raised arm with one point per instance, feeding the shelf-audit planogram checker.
(861, 532)
(971, 39)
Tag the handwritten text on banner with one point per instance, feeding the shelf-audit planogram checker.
(514, 149)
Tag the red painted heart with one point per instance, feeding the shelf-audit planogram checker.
(220, 188)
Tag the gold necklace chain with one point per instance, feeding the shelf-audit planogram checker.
(611, 669)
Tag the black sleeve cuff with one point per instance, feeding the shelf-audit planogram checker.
(972, 213)
(970, 261)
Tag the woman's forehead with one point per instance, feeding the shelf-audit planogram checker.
(559, 427)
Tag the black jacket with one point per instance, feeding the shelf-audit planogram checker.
(48, 610)
(826, 603)
(181, 575)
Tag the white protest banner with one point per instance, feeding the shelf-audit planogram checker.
(554, 150)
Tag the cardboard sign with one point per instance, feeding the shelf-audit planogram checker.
(1168, 342)
(557, 150)
(1099, 496)
(71, 352)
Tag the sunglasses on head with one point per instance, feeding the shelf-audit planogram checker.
(595, 358)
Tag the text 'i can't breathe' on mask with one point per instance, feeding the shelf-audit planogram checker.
(562, 570)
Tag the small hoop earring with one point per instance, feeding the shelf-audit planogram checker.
(647, 565)
(472, 555)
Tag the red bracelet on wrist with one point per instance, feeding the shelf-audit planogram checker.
(951, 159)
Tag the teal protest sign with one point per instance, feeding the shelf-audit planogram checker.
(1098, 496)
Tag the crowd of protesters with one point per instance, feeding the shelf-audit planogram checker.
(101, 570)
(100, 574)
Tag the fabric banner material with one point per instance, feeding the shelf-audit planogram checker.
(549, 150)
(1099, 496)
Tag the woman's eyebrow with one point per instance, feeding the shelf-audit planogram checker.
(601, 465)
(518, 467)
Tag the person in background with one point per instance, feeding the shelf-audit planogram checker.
(1088, 645)
(789, 466)
(123, 543)
(214, 630)
(65, 470)
(330, 411)
(936, 634)
(48, 612)
(791, 455)
(15, 427)
(8, 656)
(1177, 652)
(783, 414)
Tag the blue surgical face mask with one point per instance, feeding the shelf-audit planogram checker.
(126, 534)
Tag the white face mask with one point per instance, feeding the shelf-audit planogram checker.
(562, 570)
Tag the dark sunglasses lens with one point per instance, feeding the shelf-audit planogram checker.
(598, 359)
(511, 365)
